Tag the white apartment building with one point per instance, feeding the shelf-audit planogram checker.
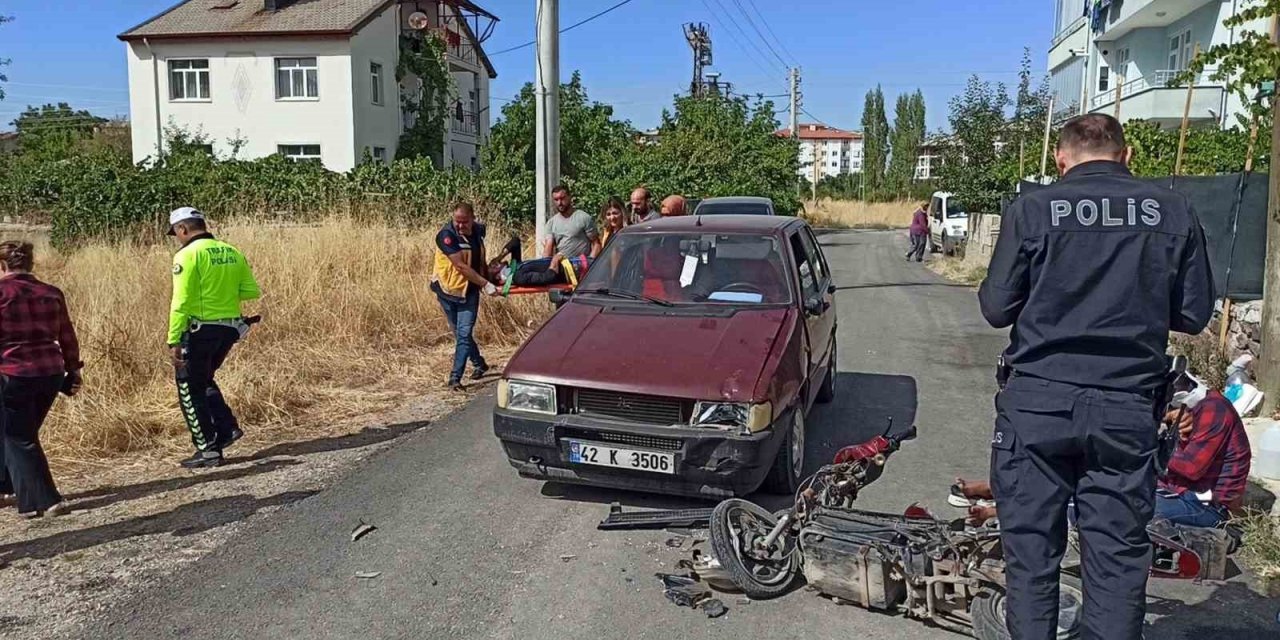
(1133, 49)
(308, 79)
(836, 152)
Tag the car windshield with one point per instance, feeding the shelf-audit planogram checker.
(956, 210)
(691, 268)
(733, 208)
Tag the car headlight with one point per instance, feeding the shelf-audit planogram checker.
(746, 418)
(533, 397)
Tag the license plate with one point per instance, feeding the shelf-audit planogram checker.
(610, 456)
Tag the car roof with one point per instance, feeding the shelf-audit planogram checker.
(737, 200)
(729, 223)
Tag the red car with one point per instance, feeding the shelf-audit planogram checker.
(684, 363)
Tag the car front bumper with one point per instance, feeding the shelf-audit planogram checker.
(708, 463)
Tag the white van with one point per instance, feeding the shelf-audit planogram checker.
(948, 223)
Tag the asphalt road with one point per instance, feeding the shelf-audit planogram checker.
(465, 549)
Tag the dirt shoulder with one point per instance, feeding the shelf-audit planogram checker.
(148, 518)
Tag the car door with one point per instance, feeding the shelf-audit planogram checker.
(814, 304)
(826, 322)
(935, 219)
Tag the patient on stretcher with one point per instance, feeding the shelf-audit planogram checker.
(540, 272)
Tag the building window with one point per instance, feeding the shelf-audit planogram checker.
(1104, 79)
(380, 154)
(375, 76)
(834, 164)
(1180, 51)
(188, 80)
(300, 151)
(297, 79)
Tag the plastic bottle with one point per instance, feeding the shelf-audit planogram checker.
(1267, 463)
(1237, 377)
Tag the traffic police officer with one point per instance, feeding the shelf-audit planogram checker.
(210, 280)
(1091, 273)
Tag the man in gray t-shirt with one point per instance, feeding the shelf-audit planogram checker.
(570, 232)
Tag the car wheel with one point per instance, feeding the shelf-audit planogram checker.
(784, 478)
(933, 246)
(948, 246)
(827, 392)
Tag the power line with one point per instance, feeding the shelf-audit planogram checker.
(770, 30)
(564, 30)
(742, 31)
(763, 39)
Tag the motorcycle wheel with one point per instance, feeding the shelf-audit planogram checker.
(988, 611)
(736, 525)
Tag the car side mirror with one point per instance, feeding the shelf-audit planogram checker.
(559, 296)
(814, 306)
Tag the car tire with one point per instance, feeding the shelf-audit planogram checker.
(948, 246)
(785, 476)
(827, 392)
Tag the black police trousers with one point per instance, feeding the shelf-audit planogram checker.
(207, 415)
(24, 469)
(1054, 442)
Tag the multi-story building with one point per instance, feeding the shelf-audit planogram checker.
(307, 79)
(1104, 50)
(836, 152)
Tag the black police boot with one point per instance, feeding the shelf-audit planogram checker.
(236, 434)
(203, 459)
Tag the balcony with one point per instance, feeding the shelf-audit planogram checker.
(1128, 15)
(1151, 98)
(468, 124)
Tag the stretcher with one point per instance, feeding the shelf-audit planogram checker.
(573, 268)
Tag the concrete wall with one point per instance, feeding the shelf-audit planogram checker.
(243, 102)
(376, 125)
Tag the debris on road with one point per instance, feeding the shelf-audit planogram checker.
(368, 575)
(714, 608)
(567, 557)
(617, 519)
(683, 590)
(362, 530)
(675, 543)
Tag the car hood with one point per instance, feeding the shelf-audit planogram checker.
(639, 351)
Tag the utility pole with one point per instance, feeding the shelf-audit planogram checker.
(1269, 361)
(795, 118)
(699, 39)
(547, 117)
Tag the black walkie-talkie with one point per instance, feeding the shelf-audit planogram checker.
(1003, 371)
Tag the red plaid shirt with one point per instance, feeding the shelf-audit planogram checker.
(36, 336)
(1215, 457)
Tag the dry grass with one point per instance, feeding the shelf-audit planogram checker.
(1261, 543)
(350, 328)
(1204, 358)
(856, 214)
(957, 270)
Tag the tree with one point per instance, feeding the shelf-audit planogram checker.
(970, 158)
(1254, 58)
(908, 135)
(51, 131)
(875, 141)
(720, 146)
(1030, 109)
(4, 61)
(594, 147)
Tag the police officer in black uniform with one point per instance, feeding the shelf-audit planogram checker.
(1091, 273)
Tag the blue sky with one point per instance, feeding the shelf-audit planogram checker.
(634, 57)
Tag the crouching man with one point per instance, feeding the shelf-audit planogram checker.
(1209, 470)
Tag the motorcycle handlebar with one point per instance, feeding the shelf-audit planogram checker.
(897, 439)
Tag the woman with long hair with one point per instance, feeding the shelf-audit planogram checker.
(613, 218)
(39, 356)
